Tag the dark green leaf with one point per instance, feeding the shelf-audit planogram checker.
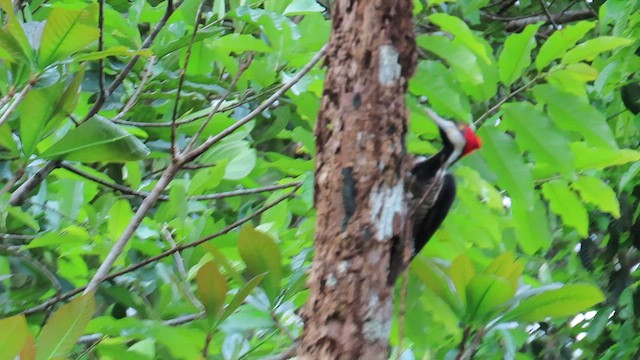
(97, 140)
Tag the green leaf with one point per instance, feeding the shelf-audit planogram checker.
(261, 254)
(122, 51)
(461, 59)
(503, 157)
(484, 294)
(239, 156)
(240, 43)
(13, 334)
(435, 81)
(461, 272)
(238, 299)
(459, 29)
(97, 140)
(570, 112)
(589, 49)
(66, 32)
(64, 328)
(516, 55)
(556, 303)
(561, 41)
(507, 267)
(437, 280)
(212, 289)
(598, 158)
(119, 216)
(6, 139)
(13, 34)
(565, 203)
(36, 110)
(301, 7)
(595, 191)
(531, 226)
(535, 133)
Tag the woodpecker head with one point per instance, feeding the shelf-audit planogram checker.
(472, 141)
(458, 138)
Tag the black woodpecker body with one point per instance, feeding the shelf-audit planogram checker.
(432, 187)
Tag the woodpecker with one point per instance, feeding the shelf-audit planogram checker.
(432, 187)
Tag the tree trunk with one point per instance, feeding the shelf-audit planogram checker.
(360, 182)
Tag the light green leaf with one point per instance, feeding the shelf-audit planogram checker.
(122, 51)
(459, 29)
(484, 294)
(595, 191)
(64, 328)
(565, 203)
(36, 110)
(504, 158)
(531, 226)
(556, 303)
(436, 280)
(445, 96)
(13, 334)
(561, 41)
(238, 299)
(119, 216)
(535, 133)
(570, 112)
(68, 236)
(97, 140)
(66, 32)
(6, 139)
(240, 43)
(301, 7)
(589, 49)
(507, 267)
(13, 34)
(461, 59)
(239, 156)
(261, 254)
(461, 272)
(598, 158)
(212, 289)
(516, 55)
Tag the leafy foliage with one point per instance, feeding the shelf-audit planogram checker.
(183, 136)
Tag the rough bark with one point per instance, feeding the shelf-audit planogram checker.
(359, 185)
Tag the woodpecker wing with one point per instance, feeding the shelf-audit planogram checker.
(432, 208)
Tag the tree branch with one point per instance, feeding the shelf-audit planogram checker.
(164, 254)
(562, 18)
(21, 193)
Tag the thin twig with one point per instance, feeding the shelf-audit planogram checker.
(193, 154)
(43, 269)
(140, 214)
(166, 253)
(126, 190)
(21, 193)
(127, 68)
(183, 73)
(497, 106)
(101, 47)
(14, 105)
(190, 118)
(181, 269)
(243, 67)
(549, 16)
(181, 320)
(134, 98)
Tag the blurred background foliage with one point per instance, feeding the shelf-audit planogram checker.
(538, 258)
